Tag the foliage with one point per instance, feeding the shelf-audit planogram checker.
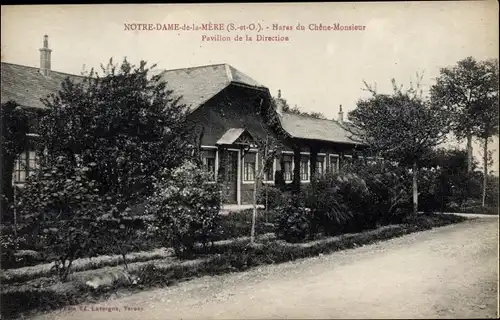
(331, 205)
(236, 257)
(334, 201)
(452, 181)
(433, 194)
(14, 127)
(63, 205)
(293, 222)
(272, 196)
(296, 110)
(401, 127)
(127, 125)
(105, 138)
(468, 89)
(239, 224)
(9, 241)
(492, 192)
(388, 191)
(186, 206)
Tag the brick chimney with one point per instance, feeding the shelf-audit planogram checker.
(341, 115)
(45, 57)
(279, 104)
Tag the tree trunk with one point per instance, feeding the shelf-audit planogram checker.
(254, 213)
(485, 174)
(469, 153)
(415, 189)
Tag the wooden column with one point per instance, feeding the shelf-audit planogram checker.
(279, 180)
(313, 161)
(296, 169)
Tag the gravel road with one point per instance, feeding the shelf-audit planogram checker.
(449, 272)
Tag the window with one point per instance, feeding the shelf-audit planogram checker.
(25, 165)
(334, 163)
(320, 166)
(304, 169)
(288, 167)
(208, 157)
(250, 168)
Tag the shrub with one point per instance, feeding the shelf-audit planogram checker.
(337, 203)
(389, 193)
(239, 224)
(492, 191)
(186, 205)
(272, 197)
(293, 223)
(431, 197)
(62, 205)
(328, 211)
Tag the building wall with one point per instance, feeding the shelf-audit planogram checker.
(238, 107)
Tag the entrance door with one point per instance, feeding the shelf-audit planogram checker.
(230, 177)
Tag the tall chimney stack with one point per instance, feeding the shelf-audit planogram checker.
(341, 115)
(279, 103)
(45, 57)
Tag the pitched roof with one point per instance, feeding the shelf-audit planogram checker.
(233, 135)
(197, 85)
(230, 136)
(306, 127)
(27, 86)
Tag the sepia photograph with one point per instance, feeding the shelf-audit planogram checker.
(329, 160)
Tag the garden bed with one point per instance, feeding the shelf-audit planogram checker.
(230, 226)
(224, 256)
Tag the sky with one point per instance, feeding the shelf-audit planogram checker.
(316, 70)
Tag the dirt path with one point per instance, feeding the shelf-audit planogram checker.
(450, 272)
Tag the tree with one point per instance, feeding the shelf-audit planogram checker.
(485, 114)
(462, 89)
(268, 148)
(298, 111)
(106, 137)
(124, 124)
(15, 126)
(454, 180)
(401, 127)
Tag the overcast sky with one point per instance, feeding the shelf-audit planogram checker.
(316, 70)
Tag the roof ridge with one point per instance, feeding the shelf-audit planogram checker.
(229, 73)
(308, 116)
(32, 67)
(196, 67)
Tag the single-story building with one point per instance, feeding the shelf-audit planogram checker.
(229, 108)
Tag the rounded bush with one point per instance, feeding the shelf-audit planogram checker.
(293, 224)
(186, 205)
